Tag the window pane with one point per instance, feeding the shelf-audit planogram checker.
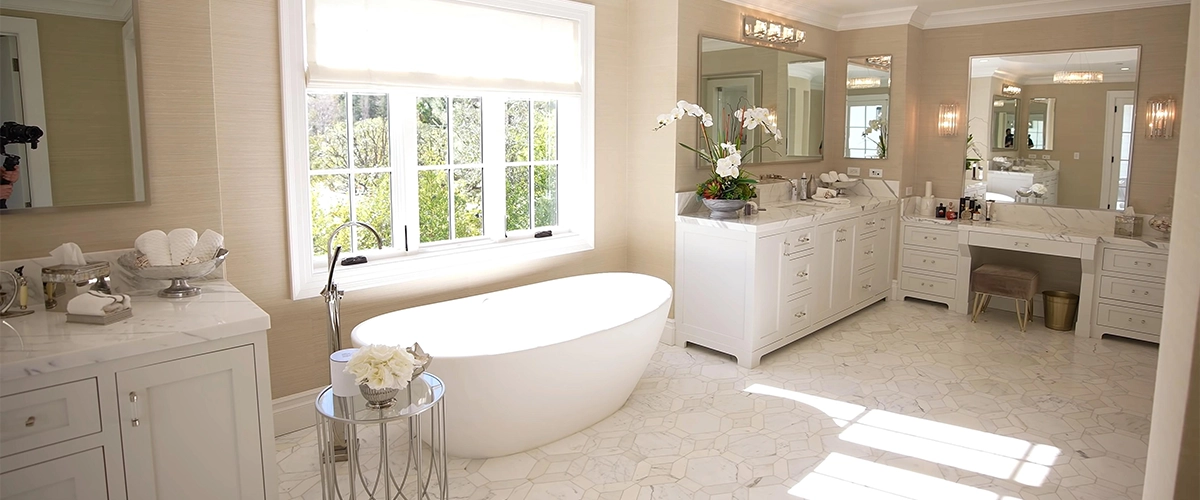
(545, 192)
(858, 116)
(433, 196)
(371, 143)
(545, 130)
(517, 198)
(432, 131)
(468, 131)
(468, 202)
(327, 132)
(330, 205)
(373, 205)
(516, 131)
(1127, 118)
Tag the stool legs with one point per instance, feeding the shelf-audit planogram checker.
(980, 303)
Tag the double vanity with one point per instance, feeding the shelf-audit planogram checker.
(173, 403)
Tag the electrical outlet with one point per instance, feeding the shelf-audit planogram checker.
(1045, 157)
(1077, 155)
(1032, 156)
(876, 173)
(908, 191)
(853, 171)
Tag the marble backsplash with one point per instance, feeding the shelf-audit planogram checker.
(1079, 219)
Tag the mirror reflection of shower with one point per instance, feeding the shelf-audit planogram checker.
(731, 92)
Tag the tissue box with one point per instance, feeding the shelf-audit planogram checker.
(1129, 226)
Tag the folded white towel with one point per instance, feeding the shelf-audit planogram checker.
(96, 303)
(182, 241)
(825, 193)
(206, 247)
(155, 246)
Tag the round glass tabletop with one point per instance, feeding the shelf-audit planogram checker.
(420, 395)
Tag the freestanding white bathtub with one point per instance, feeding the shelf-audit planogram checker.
(528, 366)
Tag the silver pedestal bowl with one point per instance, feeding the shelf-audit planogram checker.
(177, 275)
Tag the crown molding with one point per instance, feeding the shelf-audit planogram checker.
(113, 10)
(792, 11)
(1023, 11)
(877, 19)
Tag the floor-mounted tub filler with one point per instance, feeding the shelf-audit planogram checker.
(528, 366)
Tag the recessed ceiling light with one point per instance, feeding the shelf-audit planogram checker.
(983, 60)
(1124, 69)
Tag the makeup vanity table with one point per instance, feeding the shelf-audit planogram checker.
(1121, 281)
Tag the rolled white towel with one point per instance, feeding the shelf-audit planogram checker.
(182, 241)
(155, 246)
(843, 177)
(206, 247)
(825, 178)
(96, 303)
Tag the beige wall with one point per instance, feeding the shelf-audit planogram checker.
(87, 111)
(1079, 118)
(181, 146)
(945, 73)
(1174, 458)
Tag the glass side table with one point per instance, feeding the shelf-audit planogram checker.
(384, 477)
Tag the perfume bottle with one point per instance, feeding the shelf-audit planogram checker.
(941, 211)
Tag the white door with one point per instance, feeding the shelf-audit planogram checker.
(1118, 150)
(74, 477)
(190, 430)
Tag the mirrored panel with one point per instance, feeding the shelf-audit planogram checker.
(74, 76)
(868, 91)
(1052, 128)
(735, 75)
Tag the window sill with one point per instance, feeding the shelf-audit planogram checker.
(402, 269)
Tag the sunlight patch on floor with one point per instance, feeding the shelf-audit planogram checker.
(841, 477)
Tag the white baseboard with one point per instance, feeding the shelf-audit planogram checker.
(295, 412)
(668, 334)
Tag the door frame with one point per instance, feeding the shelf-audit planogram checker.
(1109, 182)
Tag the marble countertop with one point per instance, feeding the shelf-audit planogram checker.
(785, 215)
(1044, 232)
(44, 342)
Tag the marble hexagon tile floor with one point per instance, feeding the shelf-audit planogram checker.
(902, 400)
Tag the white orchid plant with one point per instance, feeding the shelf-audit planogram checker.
(724, 151)
(382, 367)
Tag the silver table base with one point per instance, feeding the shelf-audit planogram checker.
(377, 478)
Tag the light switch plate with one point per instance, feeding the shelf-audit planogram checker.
(1045, 157)
(1077, 155)
(908, 191)
(876, 173)
(1033, 156)
(853, 171)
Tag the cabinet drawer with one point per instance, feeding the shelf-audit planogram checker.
(867, 284)
(1022, 244)
(865, 252)
(929, 261)
(942, 287)
(1134, 262)
(799, 241)
(1142, 292)
(1128, 318)
(933, 238)
(74, 477)
(46, 416)
(868, 224)
(797, 275)
(798, 313)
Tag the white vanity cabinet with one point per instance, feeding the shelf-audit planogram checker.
(1130, 288)
(929, 263)
(747, 293)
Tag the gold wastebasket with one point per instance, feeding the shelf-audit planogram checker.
(1060, 310)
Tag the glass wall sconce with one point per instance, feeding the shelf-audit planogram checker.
(948, 120)
(1160, 117)
(770, 31)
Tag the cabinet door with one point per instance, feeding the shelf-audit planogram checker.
(769, 289)
(73, 477)
(190, 430)
(843, 265)
(885, 242)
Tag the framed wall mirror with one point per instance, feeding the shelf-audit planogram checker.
(74, 76)
(736, 75)
(1064, 134)
(868, 92)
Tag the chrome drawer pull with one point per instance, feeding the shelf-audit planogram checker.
(841, 230)
(133, 398)
(841, 239)
(1019, 244)
(799, 315)
(802, 274)
(865, 287)
(29, 421)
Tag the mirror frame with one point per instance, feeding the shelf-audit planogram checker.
(846, 104)
(1048, 131)
(1016, 121)
(1137, 92)
(134, 21)
(700, 86)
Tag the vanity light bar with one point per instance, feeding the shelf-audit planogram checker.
(770, 31)
(1160, 118)
(1011, 90)
(863, 83)
(882, 62)
(1078, 77)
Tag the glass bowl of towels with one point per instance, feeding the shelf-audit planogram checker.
(137, 264)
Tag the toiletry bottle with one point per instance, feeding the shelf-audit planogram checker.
(975, 215)
(988, 210)
(951, 213)
(941, 211)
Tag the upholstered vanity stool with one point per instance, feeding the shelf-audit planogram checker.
(1004, 281)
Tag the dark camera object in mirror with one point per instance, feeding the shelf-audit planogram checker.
(16, 133)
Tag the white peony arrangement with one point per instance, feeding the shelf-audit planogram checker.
(382, 367)
(1038, 189)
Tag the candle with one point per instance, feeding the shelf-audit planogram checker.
(343, 383)
(928, 188)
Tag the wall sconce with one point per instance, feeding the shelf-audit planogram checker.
(1010, 90)
(753, 27)
(948, 120)
(1160, 117)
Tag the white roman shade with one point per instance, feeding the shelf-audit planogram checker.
(440, 43)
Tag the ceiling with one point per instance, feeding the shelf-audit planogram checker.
(1040, 68)
(929, 14)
